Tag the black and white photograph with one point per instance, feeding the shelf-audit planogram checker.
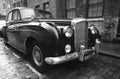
(59, 39)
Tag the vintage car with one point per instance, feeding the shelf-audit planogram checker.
(47, 40)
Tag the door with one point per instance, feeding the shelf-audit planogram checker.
(19, 36)
(118, 28)
(11, 28)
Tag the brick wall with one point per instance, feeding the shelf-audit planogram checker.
(53, 7)
(2, 10)
(58, 9)
(9, 5)
(33, 3)
(61, 8)
(111, 8)
(80, 8)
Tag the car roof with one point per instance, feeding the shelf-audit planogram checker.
(19, 8)
(43, 11)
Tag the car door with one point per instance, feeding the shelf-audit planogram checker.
(19, 36)
(11, 28)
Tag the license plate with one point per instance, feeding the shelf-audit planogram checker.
(70, 56)
(89, 56)
(83, 57)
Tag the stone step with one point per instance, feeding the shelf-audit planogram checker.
(112, 53)
(118, 35)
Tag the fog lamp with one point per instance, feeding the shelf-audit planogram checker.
(67, 48)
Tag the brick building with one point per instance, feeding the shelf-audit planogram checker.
(2, 7)
(2, 10)
(14, 3)
(48, 5)
(107, 9)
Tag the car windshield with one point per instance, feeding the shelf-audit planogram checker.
(31, 13)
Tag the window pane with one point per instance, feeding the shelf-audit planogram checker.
(46, 6)
(18, 15)
(71, 14)
(70, 6)
(95, 8)
(9, 16)
(15, 15)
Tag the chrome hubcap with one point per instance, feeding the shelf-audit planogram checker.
(37, 55)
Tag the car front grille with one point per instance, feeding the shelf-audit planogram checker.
(81, 34)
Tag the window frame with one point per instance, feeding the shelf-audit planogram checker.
(18, 11)
(44, 6)
(95, 4)
(18, 15)
(21, 14)
(11, 12)
(15, 14)
(71, 9)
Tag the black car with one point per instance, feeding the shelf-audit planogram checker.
(48, 40)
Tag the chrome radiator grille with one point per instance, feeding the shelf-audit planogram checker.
(80, 34)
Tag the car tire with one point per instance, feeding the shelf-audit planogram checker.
(37, 57)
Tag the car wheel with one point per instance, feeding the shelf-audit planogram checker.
(37, 57)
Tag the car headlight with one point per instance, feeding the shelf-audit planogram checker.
(68, 32)
(67, 48)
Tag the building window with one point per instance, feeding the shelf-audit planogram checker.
(24, 3)
(4, 6)
(17, 4)
(70, 8)
(46, 6)
(95, 8)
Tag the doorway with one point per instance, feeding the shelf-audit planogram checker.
(118, 29)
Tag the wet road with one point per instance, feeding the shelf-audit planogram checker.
(14, 65)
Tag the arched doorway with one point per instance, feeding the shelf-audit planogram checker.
(118, 29)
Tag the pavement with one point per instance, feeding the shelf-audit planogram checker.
(12, 66)
(15, 65)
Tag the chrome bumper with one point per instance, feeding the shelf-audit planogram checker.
(61, 59)
(83, 55)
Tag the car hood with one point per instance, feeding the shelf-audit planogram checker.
(57, 21)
